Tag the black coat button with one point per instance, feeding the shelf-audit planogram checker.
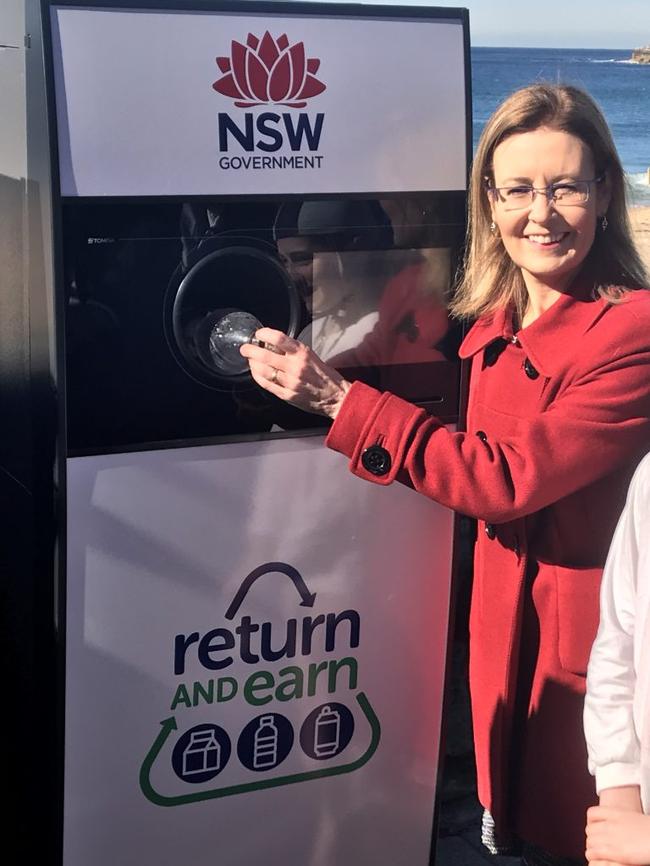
(492, 351)
(482, 435)
(490, 531)
(376, 460)
(529, 370)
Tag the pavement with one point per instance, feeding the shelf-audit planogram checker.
(459, 837)
(466, 851)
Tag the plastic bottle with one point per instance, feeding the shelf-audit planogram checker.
(265, 744)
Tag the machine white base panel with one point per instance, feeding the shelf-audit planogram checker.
(255, 659)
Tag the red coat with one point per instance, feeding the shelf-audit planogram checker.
(412, 322)
(557, 420)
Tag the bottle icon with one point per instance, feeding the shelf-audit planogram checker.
(202, 754)
(265, 744)
(327, 732)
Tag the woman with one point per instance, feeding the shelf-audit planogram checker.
(559, 414)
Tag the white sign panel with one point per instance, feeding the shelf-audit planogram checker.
(255, 660)
(195, 103)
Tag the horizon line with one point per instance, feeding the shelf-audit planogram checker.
(561, 47)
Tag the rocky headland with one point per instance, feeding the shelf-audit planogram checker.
(641, 55)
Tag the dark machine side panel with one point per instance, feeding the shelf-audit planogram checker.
(27, 459)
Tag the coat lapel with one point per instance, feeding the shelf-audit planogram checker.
(550, 340)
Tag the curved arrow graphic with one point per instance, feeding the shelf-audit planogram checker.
(269, 568)
(169, 725)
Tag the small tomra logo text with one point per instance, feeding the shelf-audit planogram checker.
(269, 72)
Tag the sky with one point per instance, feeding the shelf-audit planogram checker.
(555, 23)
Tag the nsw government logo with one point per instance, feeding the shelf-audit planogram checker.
(269, 72)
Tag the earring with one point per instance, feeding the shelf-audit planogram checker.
(493, 227)
(604, 223)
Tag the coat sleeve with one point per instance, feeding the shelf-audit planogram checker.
(612, 742)
(590, 430)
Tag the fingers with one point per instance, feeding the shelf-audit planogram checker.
(598, 859)
(271, 346)
(604, 862)
(291, 371)
(599, 813)
(277, 341)
(261, 356)
(264, 362)
(604, 843)
(267, 377)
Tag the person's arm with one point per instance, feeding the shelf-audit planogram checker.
(612, 743)
(589, 431)
(617, 831)
(626, 797)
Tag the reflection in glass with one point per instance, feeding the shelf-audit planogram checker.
(343, 302)
(374, 308)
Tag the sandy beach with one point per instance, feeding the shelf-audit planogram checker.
(640, 218)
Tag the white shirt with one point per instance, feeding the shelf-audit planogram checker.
(326, 336)
(617, 706)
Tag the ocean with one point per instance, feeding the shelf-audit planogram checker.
(621, 88)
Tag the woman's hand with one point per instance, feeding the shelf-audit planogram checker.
(290, 370)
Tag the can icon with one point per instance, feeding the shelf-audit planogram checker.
(327, 732)
(265, 744)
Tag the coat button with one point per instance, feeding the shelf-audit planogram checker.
(482, 435)
(490, 531)
(492, 351)
(529, 370)
(376, 460)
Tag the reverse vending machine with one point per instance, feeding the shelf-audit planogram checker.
(222, 646)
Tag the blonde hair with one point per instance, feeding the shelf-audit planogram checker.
(490, 279)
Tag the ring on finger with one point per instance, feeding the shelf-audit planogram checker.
(274, 376)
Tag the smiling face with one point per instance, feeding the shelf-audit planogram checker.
(548, 242)
(317, 272)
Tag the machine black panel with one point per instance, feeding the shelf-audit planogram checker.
(364, 282)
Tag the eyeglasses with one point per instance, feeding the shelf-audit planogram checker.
(563, 194)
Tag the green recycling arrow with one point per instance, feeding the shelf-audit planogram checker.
(169, 725)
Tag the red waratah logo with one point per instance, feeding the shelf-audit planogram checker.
(268, 71)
